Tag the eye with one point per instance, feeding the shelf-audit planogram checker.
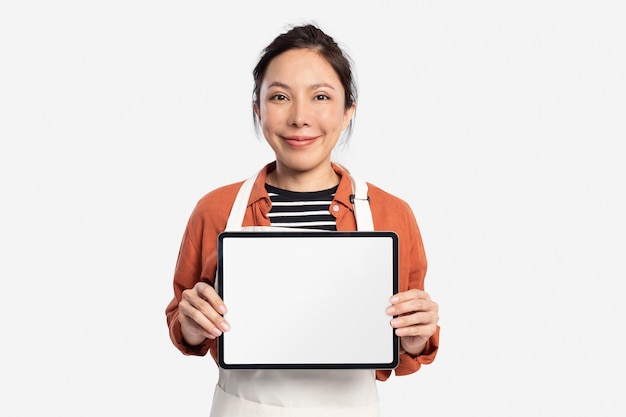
(278, 97)
(322, 97)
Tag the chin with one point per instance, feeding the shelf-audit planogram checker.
(302, 163)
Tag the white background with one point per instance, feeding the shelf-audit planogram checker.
(502, 123)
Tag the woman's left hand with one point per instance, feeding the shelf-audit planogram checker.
(416, 321)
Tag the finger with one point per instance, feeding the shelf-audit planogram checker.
(409, 295)
(202, 313)
(209, 294)
(415, 331)
(422, 331)
(415, 319)
(411, 306)
(424, 328)
(197, 322)
(191, 327)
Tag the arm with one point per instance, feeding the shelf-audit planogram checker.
(417, 315)
(194, 315)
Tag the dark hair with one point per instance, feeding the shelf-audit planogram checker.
(311, 37)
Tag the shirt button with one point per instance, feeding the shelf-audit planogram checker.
(335, 208)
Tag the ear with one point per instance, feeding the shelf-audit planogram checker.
(256, 111)
(348, 115)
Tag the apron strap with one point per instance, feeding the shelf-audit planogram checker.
(360, 202)
(238, 211)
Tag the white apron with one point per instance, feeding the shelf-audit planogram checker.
(295, 392)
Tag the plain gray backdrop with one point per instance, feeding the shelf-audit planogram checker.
(502, 123)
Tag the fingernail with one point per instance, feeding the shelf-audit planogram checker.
(224, 326)
(222, 309)
(394, 299)
(391, 310)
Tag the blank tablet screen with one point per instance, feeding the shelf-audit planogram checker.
(307, 299)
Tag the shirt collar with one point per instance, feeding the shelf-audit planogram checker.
(344, 190)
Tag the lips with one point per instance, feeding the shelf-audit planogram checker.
(299, 141)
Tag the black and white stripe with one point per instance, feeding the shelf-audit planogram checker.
(305, 210)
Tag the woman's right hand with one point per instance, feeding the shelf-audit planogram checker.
(200, 313)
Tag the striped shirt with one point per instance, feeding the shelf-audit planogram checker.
(307, 210)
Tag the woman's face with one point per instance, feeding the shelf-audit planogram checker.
(302, 111)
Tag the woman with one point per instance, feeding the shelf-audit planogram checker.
(304, 100)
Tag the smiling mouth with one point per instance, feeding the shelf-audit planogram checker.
(299, 141)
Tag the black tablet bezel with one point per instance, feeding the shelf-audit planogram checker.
(308, 234)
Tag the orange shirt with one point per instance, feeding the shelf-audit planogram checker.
(197, 258)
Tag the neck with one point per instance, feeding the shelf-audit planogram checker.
(322, 178)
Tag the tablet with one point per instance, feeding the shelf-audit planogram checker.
(307, 300)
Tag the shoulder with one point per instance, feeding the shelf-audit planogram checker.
(218, 200)
(213, 208)
(380, 197)
(222, 198)
(220, 194)
(390, 211)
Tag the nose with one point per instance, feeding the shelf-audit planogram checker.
(300, 114)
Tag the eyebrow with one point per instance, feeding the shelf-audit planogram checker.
(312, 87)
